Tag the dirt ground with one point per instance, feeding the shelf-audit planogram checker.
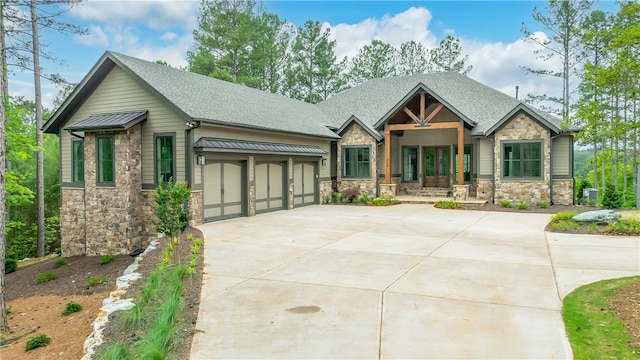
(37, 308)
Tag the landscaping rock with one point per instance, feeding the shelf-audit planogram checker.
(599, 216)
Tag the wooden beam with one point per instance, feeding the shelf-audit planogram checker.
(435, 112)
(460, 155)
(422, 106)
(387, 155)
(411, 115)
(442, 125)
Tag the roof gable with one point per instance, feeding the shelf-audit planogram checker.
(203, 98)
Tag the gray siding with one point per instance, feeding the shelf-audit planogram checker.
(485, 157)
(120, 92)
(561, 156)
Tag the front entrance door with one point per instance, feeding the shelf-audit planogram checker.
(436, 167)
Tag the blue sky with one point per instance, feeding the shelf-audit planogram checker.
(162, 29)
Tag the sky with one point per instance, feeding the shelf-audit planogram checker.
(489, 31)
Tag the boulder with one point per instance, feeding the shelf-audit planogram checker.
(600, 216)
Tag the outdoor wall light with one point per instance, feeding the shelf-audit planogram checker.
(201, 160)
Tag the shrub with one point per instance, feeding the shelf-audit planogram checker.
(612, 198)
(625, 227)
(505, 203)
(384, 201)
(335, 197)
(10, 265)
(523, 205)
(71, 308)
(171, 200)
(37, 341)
(446, 204)
(351, 193)
(326, 199)
(45, 277)
(105, 259)
(95, 280)
(543, 204)
(60, 262)
(563, 215)
(364, 199)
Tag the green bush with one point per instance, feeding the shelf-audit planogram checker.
(171, 200)
(60, 262)
(523, 205)
(95, 280)
(10, 265)
(37, 341)
(105, 259)
(351, 194)
(543, 204)
(364, 199)
(384, 201)
(612, 198)
(506, 203)
(45, 277)
(563, 215)
(71, 308)
(335, 197)
(625, 227)
(446, 204)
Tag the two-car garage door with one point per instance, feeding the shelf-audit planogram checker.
(225, 187)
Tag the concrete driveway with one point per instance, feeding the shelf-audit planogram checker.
(401, 282)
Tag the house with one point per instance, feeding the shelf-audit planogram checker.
(131, 125)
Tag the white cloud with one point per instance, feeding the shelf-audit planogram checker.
(157, 15)
(174, 54)
(168, 36)
(95, 36)
(412, 24)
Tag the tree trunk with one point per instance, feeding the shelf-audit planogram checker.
(4, 327)
(3, 51)
(39, 152)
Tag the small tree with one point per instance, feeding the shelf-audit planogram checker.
(171, 201)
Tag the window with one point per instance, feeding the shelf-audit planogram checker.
(522, 160)
(356, 162)
(105, 160)
(164, 158)
(409, 164)
(78, 160)
(466, 159)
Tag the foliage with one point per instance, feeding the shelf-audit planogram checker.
(351, 194)
(364, 199)
(413, 58)
(105, 259)
(563, 215)
(10, 265)
(506, 203)
(523, 205)
(37, 341)
(543, 204)
(95, 280)
(384, 201)
(447, 56)
(612, 198)
(564, 221)
(115, 352)
(171, 200)
(335, 197)
(446, 204)
(625, 227)
(71, 308)
(46, 277)
(60, 262)
(375, 60)
(594, 329)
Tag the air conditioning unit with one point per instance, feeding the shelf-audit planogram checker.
(590, 194)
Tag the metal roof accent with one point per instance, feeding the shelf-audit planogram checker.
(112, 121)
(231, 145)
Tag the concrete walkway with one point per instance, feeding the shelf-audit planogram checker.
(400, 282)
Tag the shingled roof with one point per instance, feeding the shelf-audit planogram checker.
(481, 106)
(209, 100)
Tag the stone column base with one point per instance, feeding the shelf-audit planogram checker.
(388, 190)
(461, 192)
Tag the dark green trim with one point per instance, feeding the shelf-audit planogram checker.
(198, 187)
(484, 176)
(113, 160)
(325, 179)
(149, 186)
(344, 163)
(73, 160)
(157, 136)
(78, 185)
(561, 177)
(417, 180)
(542, 156)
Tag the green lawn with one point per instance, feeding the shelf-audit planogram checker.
(594, 330)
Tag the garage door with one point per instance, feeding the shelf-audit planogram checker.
(270, 186)
(304, 184)
(223, 190)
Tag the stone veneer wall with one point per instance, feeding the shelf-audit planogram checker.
(195, 208)
(530, 191)
(356, 136)
(484, 188)
(326, 189)
(563, 192)
(72, 221)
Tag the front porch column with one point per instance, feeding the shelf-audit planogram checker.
(387, 155)
(460, 155)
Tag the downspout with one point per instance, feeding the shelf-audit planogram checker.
(187, 157)
(378, 169)
(493, 168)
